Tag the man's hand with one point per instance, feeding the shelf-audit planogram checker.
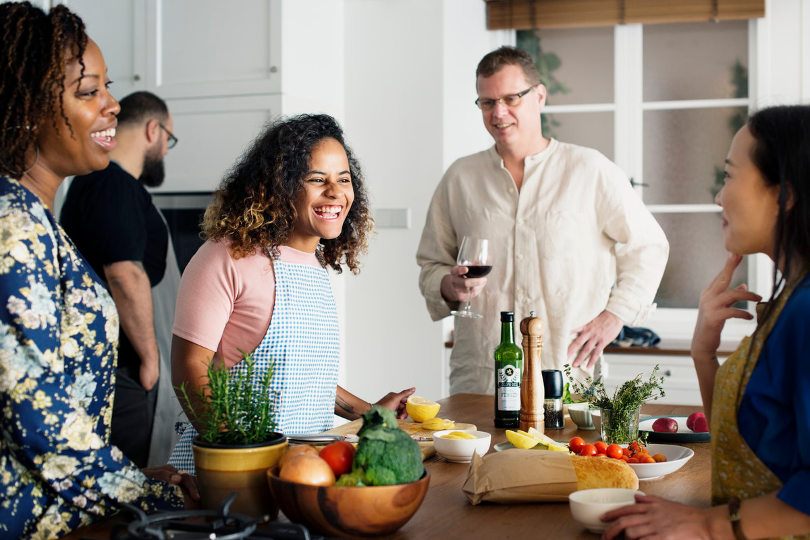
(456, 288)
(170, 475)
(396, 401)
(149, 374)
(592, 338)
(716, 307)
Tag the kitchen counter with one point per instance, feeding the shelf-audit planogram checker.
(446, 513)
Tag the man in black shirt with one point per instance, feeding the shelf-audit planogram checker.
(110, 216)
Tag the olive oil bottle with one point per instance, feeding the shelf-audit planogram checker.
(508, 369)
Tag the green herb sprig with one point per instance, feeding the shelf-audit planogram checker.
(627, 398)
(227, 410)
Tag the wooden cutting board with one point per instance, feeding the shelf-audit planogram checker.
(423, 436)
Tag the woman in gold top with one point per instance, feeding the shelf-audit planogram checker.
(759, 399)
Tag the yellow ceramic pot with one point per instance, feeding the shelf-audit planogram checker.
(222, 469)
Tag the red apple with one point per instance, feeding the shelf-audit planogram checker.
(701, 426)
(690, 422)
(665, 425)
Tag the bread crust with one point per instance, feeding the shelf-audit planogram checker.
(603, 472)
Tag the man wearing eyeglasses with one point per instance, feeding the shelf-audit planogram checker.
(111, 218)
(571, 240)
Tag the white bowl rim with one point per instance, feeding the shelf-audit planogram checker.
(576, 496)
(478, 434)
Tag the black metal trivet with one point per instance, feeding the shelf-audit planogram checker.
(218, 524)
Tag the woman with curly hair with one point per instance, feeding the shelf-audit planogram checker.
(294, 204)
(58, 325)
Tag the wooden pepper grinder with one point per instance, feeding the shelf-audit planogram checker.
(531, 385)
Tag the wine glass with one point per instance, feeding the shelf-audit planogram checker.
(474, 254)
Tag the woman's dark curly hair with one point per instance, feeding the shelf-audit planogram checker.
(254, 206)
(36, 49)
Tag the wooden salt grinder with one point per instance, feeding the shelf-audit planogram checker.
(531, 384)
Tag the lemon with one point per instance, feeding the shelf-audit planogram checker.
(458, 435)
(421, 409)
(546, 441)
(435, 424)
(520, 439)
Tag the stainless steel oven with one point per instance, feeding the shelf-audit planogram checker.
(183, 211)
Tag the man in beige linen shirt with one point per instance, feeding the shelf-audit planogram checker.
(570, 239)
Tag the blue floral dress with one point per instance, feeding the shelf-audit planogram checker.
(58, 337)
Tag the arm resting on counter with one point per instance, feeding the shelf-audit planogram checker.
(132, 293)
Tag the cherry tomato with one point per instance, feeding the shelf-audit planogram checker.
(659, 458)
(588, 450)
(646, 459)
(601, 447)
(339, 455)
(614, 451)
(576, 444)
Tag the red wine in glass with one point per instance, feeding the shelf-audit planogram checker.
(476, 271)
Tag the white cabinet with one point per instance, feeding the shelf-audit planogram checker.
(187, 48)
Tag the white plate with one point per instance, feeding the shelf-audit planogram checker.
(677, 456)
(683, 435)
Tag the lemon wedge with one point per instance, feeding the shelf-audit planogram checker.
(546, 441)
(520, 439)
(436, 424)
(421, 409)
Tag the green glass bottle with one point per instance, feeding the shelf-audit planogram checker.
(508, 369)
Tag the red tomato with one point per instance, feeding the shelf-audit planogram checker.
(576, 444)
(601, 447)
(588, 450)
(614, 451)
(339, 455)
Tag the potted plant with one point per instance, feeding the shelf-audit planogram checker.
(237, 442)
(619, 413)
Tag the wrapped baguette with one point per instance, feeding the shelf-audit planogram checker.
(515, 475)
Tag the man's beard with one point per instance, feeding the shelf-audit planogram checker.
(153, 172)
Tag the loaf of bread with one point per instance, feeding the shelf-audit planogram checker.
(602, 472)
(538, 475)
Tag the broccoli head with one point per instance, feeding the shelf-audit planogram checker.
(385, 453)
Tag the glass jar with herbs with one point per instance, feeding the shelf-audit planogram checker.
(619, 412)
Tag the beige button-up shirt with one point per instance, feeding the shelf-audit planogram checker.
(575, 240)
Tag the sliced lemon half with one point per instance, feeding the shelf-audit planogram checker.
(421, 409)
(520, 439)
(546, 441)
(436, 424)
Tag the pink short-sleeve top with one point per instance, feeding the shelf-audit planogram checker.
(225, 304)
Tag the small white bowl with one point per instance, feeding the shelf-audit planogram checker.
(461, 450)
(588, 505)
(580, 414)
(677, 456)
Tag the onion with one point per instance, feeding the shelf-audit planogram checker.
(293, 451)
(308, 469)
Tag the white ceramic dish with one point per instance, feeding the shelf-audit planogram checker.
(588, 505)
(677, 456)
(580, 414)
(461, 450)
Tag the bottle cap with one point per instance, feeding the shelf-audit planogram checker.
(507, 316)
(553, 383)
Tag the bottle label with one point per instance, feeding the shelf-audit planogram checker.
(507, 388)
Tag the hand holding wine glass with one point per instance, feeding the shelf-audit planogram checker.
(473, 254)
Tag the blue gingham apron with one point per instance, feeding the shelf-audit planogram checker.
(302, 343)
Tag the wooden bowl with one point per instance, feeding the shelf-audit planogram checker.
(349, 511)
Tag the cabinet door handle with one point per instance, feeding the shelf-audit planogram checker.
(667, 373)
(136, 77)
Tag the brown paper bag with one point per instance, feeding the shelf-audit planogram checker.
(520, 476)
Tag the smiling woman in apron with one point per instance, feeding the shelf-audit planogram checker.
(758, 399)
(294, 204)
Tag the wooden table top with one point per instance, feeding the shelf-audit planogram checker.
(446, 513)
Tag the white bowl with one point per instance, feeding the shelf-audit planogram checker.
(461, 450)
(677, 456)
(580, 414)
(588, 505)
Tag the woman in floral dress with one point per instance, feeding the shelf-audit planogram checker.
(58, 325)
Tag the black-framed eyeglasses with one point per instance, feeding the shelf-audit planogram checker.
(172, 140)
(510, 100)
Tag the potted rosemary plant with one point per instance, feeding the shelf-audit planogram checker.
(236, 442)
(619, 412)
